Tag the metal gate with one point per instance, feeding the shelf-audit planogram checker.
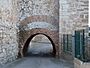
(79, 44)
(67, 43)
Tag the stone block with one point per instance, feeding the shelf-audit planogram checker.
(81, 64)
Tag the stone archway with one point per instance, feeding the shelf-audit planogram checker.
(26, 46)
(26, 37)
(49, 29)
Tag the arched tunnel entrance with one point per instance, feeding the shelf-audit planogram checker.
(35, 25)
(39, 45)
(26, 36)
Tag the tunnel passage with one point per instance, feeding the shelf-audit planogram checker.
(39, 45)
(26, 37)
(35, 25)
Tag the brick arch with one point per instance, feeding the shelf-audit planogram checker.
(25, 48)
(26, 37)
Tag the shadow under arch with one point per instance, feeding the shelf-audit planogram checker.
(26, 45)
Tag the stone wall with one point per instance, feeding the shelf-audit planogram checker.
(40, 12)
(8, 32)
(73, 15)
(43, 12)
(27, 8)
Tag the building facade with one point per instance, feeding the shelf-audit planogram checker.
(52, 18)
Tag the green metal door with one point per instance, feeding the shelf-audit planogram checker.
(79, 44)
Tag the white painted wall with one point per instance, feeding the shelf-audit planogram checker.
(40, 25)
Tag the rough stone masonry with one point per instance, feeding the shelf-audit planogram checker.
(57, 15)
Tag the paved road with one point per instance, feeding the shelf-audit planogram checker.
(39, 62)
(40, 59)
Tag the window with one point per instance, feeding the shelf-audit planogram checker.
(67, 43)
